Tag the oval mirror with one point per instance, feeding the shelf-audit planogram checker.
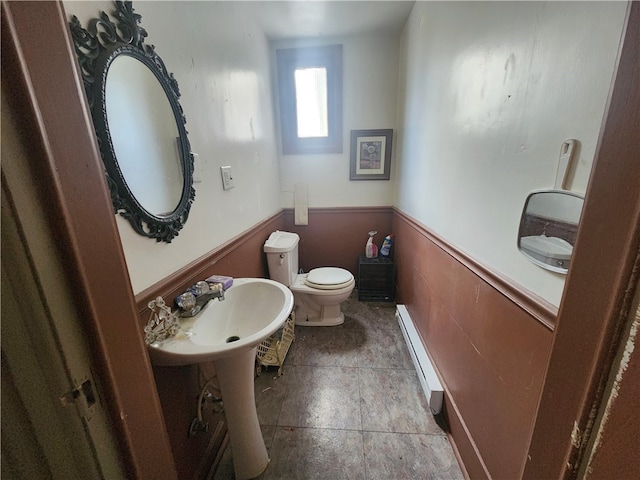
(548, 228)
(144, 135)
(139, 123)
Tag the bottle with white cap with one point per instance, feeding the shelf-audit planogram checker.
(369, 247)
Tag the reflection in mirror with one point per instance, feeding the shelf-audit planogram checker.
(139, 123)
(548, 228)
(145, 143)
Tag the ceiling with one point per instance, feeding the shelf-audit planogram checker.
(307, 18)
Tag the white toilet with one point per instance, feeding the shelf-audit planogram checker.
(317, 294)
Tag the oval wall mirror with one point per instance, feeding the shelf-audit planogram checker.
(138, 121)
(548, 228)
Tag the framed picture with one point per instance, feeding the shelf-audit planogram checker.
(370, 154)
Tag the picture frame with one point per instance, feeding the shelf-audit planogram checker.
(371, 154)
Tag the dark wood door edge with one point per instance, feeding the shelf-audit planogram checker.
(39, 61)
(599, 289)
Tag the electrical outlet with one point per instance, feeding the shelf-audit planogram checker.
(227, 179)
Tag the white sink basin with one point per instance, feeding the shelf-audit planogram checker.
(253, 309)
(227, 333)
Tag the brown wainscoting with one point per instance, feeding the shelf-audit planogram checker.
(241, 256)
(337, 236)
(179, 387)
(490, 340)
(334, 236)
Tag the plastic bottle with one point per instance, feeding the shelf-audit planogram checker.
(368, 249)
(385, 250)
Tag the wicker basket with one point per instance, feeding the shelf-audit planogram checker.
(273, 350)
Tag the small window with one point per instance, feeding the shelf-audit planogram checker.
(310, 88)
(311, 102)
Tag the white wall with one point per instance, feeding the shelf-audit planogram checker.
(370, 80)
(220, 58)
(488, 93)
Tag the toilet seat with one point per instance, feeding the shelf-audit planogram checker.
(300, 285)
(328, 278)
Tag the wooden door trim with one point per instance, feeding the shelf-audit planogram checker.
(38, 57)
(599, 289)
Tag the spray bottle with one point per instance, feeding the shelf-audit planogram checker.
(369, 247)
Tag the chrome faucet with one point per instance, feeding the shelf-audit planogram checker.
(197, 296)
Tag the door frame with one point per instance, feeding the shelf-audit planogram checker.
(38, 60)
(598, 302)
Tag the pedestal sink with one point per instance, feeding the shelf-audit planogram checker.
(227, 333)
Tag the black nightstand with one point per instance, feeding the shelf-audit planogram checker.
(376, 279)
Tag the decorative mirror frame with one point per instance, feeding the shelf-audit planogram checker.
(96, 48)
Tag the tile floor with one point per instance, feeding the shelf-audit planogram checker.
(349, 406)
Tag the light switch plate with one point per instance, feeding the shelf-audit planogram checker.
(227, 179)
(197, 168)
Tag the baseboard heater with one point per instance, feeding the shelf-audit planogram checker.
(426, 373)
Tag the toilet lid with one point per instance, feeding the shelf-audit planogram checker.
(328, 278)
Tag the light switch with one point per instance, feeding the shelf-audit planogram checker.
(227, 179)
(197, 168)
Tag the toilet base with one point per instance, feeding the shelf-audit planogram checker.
(327, 316)
(320, 322)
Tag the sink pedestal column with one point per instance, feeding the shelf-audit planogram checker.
(236, 379)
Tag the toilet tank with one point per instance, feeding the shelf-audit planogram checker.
(282, 256)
